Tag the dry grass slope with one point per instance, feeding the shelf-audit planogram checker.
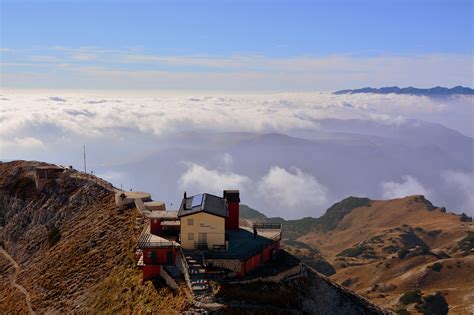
(90, 268)
(387, 248)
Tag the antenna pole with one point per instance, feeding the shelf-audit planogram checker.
(85, 165)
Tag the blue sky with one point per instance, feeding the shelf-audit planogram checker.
(235, 44)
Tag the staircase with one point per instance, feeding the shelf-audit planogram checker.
(197, 273)
(194, 274)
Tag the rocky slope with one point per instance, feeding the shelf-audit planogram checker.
(88, 266)
(68, 249)
(385, 249)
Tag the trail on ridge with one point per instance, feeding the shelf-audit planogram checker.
(14, 277)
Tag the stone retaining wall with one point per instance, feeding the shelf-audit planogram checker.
(294, 272)
(232, 264)
(168, 279)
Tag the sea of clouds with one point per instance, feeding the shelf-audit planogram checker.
(126, 127)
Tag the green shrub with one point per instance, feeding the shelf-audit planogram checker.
(347, 282)
(411, 297)
(436, 267)
(353, 251)
(466, 244)
(434, 305)
(390, 249)
(54, 235)
(339, 210)
(402, 253)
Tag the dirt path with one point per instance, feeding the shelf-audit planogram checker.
(14, 277)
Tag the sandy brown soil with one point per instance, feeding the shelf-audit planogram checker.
(372, 237)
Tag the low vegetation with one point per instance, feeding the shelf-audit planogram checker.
(353, 251)
(466, 244)
(411, 297)
(337, 212)
(434, 304)
(436, 266)
(295, 228)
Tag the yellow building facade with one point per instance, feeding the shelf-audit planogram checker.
(202, 230)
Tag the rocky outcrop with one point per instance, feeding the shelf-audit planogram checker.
(311, 293)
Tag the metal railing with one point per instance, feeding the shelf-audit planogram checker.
(219, 248)
(201, 245)
(183, 265)
(145, 237)
(240, 256)
(267, 226)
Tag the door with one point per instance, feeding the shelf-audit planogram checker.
(169, 258)
(153, 257)
(202, 239)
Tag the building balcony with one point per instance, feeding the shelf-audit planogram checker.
(271, 231)
(148, 240)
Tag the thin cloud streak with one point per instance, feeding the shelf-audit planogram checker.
(93, 67)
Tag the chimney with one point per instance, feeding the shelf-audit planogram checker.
(232, 197)
(184, 200)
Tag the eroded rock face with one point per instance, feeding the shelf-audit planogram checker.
(89, 267)
(312, 293)
(28, 213)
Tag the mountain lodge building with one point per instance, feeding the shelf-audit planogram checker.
(204, 232)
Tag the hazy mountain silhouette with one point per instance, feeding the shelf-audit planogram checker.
(433, 92)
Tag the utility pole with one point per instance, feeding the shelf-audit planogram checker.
(85, 165)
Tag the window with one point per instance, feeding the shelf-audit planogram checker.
(190, 236)
(190, 222)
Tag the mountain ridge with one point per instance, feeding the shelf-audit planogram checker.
(437, 91)
(384, 249)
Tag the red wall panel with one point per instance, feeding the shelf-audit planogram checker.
(150, 272)
(155, 226)
(161, 255)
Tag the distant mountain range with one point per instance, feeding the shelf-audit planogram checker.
(338, 155)
(434, 92)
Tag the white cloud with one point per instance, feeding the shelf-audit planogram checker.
(102, 114)
(57, 99)
(94, 67)
(199, 179)
(288, 191)
(464, 183)
(227, 161)
(408, 186)
(27, 143)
